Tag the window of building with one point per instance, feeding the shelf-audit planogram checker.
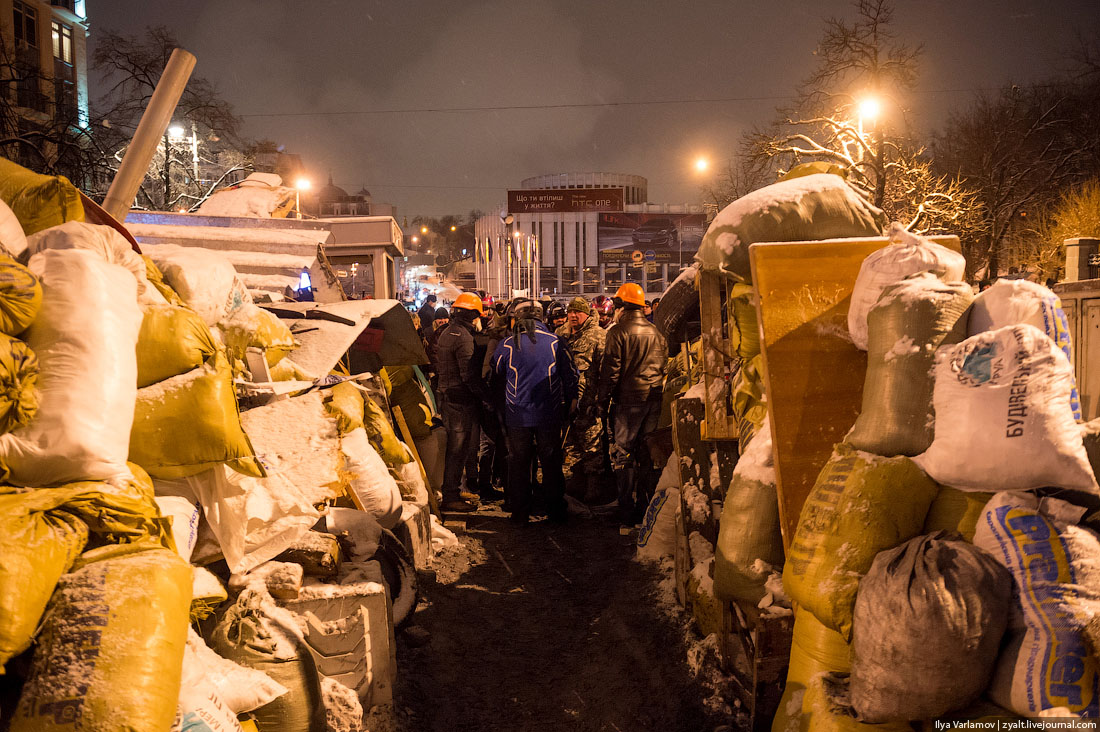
(62, 42)
(26, 24)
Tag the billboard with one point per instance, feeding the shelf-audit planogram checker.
(649, 238)
(565, 200)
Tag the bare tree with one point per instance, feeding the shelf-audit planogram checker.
(740, 176)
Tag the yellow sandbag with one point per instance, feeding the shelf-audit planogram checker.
(156, 278)
(825, 710)
(345, 402)
(287, 370)
(173, 340)
(18, 379)
(955, 510)
(38, 201)
(860, 505)
(382, 435)
(749, 404)
(190, 423)
(814, 650)
(37, 545)
(404, 389)
(252, 326)
(110, 654)
(20, 297)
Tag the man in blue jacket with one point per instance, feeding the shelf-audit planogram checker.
(540, 385)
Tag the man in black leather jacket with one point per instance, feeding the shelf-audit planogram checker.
(631, 382)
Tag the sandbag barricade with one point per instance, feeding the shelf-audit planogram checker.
(38, 201)
(13, 242)
(18, 384)
(205, 280)
(250, 326)
(173, 340)
(20, 297)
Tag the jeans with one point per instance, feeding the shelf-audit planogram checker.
(631, 463)
(523, 444)
(460, 421)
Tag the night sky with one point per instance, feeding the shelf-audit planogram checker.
(301, 73)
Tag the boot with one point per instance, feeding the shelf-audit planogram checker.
(624, 482)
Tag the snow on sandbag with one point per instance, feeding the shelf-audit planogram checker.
(1045, 662)
(254, 632)
(810, 208)
(442, 537)
(84, 337)
(260, 194)
(207, 593)
(906, 254)
(910, 320)
(860, 505)
(345, 402)
(955, 510)
(927, 627)
(657, 537)
(190, 423)
(13, 242)
(1003, 415)
(18, 380)
(104, 241)
(173, 340)
(20, 297)
(184, 515)
(252, 326)
(205, 280)
(111, 650)
(156, 279)
(1013, 302)
(815, 650)
(358, 533)
(750, 545)
(239, 688)
(372, 487)
(411, 483)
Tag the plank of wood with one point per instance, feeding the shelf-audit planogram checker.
(719, 360)
(813, 373)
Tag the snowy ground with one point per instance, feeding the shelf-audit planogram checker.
(553, 627)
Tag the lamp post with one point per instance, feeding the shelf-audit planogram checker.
(302, 184)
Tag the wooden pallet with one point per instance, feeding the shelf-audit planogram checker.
(813, 373)
(755, 648)
(718, 354)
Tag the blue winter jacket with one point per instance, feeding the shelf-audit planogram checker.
(540, 379)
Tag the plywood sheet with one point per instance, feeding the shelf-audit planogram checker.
(812, 371)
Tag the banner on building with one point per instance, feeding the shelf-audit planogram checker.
(565, 200)
(649, 238)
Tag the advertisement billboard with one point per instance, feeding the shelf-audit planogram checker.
(565, 200)
(649, 238)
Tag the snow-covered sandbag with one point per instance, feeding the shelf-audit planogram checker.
(12, 239)
(811, 208)
(815, 650)
(657, 537)
(205, 280)
(239, 688)
(184, 515)
(906, 254)
(1046, 662)
(1012, 302)
(252, 326)
(442, 537)
(358, 532)
(103, 240)
(860, 505)
(927, 628)
(20, 297)
(1003, 415)
(260, 195)
(173, 340)
(84, 337)
(207, 593)
(911, 319)
(411, 483)
(750, 545)
(372, 487)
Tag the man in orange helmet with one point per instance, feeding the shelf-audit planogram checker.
(631, 379)
(461, 392)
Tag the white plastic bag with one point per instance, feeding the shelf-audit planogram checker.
(12, 239)
(85, 337)
(205, 280)
(185, 522)
(374, 488)
(1003, 416)
(240, 688)
(906, 254)
(106, 242)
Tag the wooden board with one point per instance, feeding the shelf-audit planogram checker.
(813, 373)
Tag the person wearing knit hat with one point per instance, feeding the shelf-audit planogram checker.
(579, 305)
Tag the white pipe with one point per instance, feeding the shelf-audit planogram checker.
(135, 163)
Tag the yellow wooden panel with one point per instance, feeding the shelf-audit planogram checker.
(812, 372)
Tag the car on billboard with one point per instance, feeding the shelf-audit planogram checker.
(655, 233)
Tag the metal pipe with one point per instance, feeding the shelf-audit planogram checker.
(154, 122)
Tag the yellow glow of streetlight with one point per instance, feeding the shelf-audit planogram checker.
(701, 164)
(416, 239)
(302, 184)
(869, 109)
(423, 229)
(453, 228)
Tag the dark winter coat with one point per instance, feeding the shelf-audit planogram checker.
(634, 356)
(539, 378)
(459, 378)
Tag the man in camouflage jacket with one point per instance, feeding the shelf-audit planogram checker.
(584, 446)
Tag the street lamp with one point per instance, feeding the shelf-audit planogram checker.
(701, 164)
(869, 109)
(302, 184)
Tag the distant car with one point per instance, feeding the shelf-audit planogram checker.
(655, 233)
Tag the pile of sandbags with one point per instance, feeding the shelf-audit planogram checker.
(945, 545)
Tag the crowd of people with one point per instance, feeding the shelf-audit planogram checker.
(541, 400)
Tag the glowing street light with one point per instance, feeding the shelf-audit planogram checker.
(869, 109)
(175, 131)
(701, 164)
(453, 228)
(302, 184)
(423, 229)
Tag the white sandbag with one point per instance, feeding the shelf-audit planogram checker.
(105, 241)
(1045, 662)
(657, 537)
(1012, 302)
(1003, 416)
(85, 337)
(12, 239)
(205, 280)
(239, 688)
(670, 475)
(254, 519)
(374, 489)
(416, 488)
(185, 514)
(359, 533)
(906, 254)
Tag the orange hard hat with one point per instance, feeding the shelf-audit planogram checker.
(631, 292)
(469, 301)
